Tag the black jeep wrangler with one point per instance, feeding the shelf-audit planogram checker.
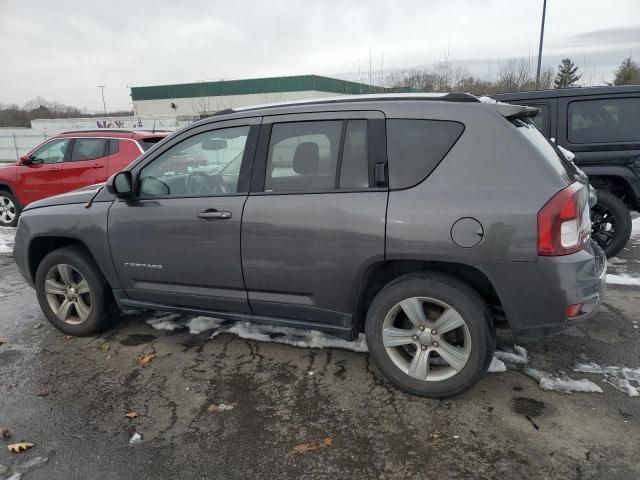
(601, 125)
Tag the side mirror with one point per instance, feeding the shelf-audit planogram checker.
(121, 184)
(25, 159)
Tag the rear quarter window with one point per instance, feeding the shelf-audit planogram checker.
(147, 143)
(611, 120)
(550, 152)
(416, 147)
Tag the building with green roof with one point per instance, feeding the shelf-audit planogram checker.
(208, 97)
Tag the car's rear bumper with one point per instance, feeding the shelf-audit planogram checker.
(535, 295)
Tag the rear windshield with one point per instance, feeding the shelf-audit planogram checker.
(556, 159)
(147, 143)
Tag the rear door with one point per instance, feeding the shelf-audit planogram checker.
(178, 241)
(87, 164)
(315, 218)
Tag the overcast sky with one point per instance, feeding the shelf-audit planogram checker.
(62, 50)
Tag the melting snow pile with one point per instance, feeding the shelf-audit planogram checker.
(625, 379)
(518, 359)
(7, 236)
(260, 333)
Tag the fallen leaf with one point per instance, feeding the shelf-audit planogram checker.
(105, 347)
(19, 447)
(66, 338)
(327, 442)
(304, 448)
(2, 342)
(43, 393)
(435, 435)
(132, 415)
(5, 433)
(220, 408)
(143, 360)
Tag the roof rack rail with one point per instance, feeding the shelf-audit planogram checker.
(103, 130)
(441, 97)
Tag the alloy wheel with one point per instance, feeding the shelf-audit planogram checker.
(68, 294)
(603, 225)
(7, 210)
(426, 338)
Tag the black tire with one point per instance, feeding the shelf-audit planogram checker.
(102, 305)
(611, 223)
(7, 200)
(458, 295)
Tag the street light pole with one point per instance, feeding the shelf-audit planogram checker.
(544, 11)
(104, 105)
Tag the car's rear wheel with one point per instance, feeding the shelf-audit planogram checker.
(72, 292)
(9, 209)
(430, 334)
(610, 223)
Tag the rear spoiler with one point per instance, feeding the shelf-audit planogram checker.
(515, 111)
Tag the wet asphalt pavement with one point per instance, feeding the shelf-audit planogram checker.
(69, 397)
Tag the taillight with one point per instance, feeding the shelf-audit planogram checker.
(560, 223)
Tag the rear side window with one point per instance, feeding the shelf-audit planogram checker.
(89, 149)
(611, 120)
(416, 147)
(317, 156)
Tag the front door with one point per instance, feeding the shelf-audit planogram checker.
(41, 178)
(87, 164)
(315, 219)
(178, 242)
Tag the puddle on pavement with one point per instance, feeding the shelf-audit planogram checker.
(137, 339)
(528, 406)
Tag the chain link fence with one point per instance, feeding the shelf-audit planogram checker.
(15, 144)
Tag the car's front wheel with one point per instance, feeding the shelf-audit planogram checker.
(430, 334)
(72, 292)
(9, 209)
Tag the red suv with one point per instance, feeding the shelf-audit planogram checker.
(66, 162)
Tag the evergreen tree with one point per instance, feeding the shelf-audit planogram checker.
(628, 73)
(567, 75)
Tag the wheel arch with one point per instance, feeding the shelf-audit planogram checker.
(381, 273)
(7, 187)
(40, 247)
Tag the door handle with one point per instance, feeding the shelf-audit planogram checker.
(214, 215)
(97, 165)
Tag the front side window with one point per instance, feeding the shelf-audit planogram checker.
(610, 120)
(198, 166)
(315, 156)
(52, 152)
(89, 149)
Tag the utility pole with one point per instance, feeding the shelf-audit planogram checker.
(104, 105)
(544, 11)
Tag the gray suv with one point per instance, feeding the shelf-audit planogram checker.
(425, 221)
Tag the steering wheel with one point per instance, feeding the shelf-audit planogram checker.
(199, 183)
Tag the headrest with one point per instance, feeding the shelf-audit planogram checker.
(306, 158)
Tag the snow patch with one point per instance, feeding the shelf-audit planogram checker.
(622, 279)
(497, 366)
(625, 379)
(564, 383)
(261, 333)
(518, 356)
(7, 238)
(569, 155)
(136, 438)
